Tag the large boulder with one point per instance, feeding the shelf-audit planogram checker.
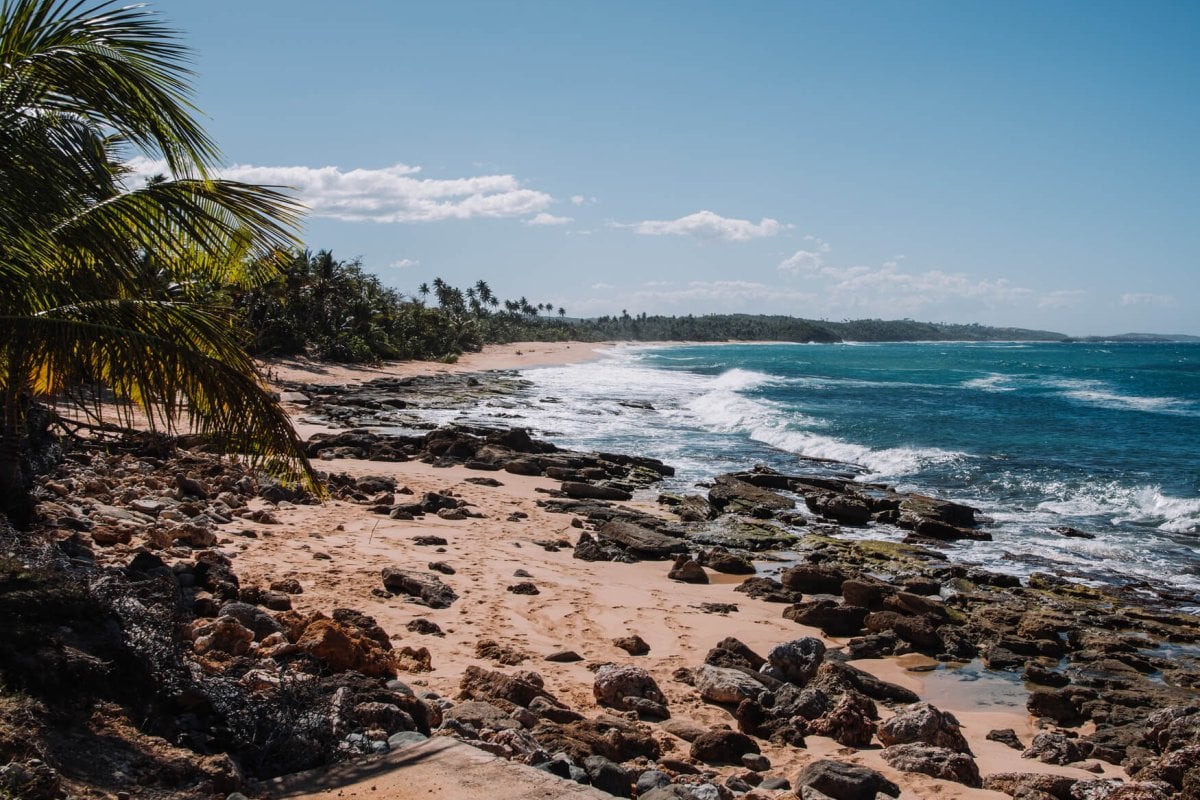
(813, 579)
(722, 747)
(1054, 748)
(938, 762)
(843, 781)
(629, 688)
(797, 661)
(640, 541)
(344, 647)
(519, 688)
(922, 722)
(851, 721)
(721, 685)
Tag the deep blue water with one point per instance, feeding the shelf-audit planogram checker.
(1101, 437)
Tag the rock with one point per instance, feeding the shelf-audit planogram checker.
(524, 587)
(866, 592)
(344, 647)
(503, 654)
(923, 723)
(634, 645)
(612, 737)
(767, 589)
(850, 722)
(913, 629)
(650, 780)
(722, 747)
(685, 729)
(564, 657)
(938, 762)
(222, 635)
(756, 762)
(30, 780)
(1059, 705)
(733, 495)
(1054, 748)
(640, 541)
(519, 688)
(834, 676)
(732, 653)
(608, 776)
(833, 618)
(843, 781)
(847, 509)
(442, 567)
(425, 627)
(588, 491)
(1014, 783)
(686, 570)
(797, 661)
(426, 589)
(629, 688)
(1006, 736)
(547, 710)
(481, 715)
(813, 579)
(254, 618)
(721, 685)
(721, 560)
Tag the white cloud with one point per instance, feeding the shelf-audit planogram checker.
(1148, 299)
(390, 194)
(707, 225)
(889, 291)
(1063, 298)
(404, 263)
(601, 286)
(548, 219)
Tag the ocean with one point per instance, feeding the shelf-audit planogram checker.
(1103, 438)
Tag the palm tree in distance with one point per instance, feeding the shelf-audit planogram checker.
(83, 86)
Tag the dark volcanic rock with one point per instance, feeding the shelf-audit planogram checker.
(797, 661)
(767, 589)
(640, 541)
(924, 723)
(851, 721)
(424, 588)
(733, 495)
(843, 781)
(722, 747)
(833, 618)
(1054, 748)
(590, 491)
(721, 560)
(813, 579)
(634, 645)
(938, 762)
(629, 688)
(685, 570)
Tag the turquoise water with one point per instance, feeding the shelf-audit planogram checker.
(1101, 437)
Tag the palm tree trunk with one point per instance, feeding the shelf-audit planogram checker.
(15, 501)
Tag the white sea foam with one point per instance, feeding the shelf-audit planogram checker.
(1102, 395)
(991, 383)
(740, 380)
(1138, 505)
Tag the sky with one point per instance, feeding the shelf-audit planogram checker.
(1010, 163)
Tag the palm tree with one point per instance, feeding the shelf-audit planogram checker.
(82, 87)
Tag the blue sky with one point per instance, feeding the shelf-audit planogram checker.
(1023, 163)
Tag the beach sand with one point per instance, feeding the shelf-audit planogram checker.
(337, 551)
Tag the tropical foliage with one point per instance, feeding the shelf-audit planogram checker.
(106, 290)
(336, 310)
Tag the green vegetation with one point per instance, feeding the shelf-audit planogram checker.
(337, 311)
(106, 285)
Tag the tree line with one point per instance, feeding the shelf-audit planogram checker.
(337, 311)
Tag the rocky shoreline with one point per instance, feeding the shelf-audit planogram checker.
(233, 684)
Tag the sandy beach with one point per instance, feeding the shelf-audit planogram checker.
(337, 550)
